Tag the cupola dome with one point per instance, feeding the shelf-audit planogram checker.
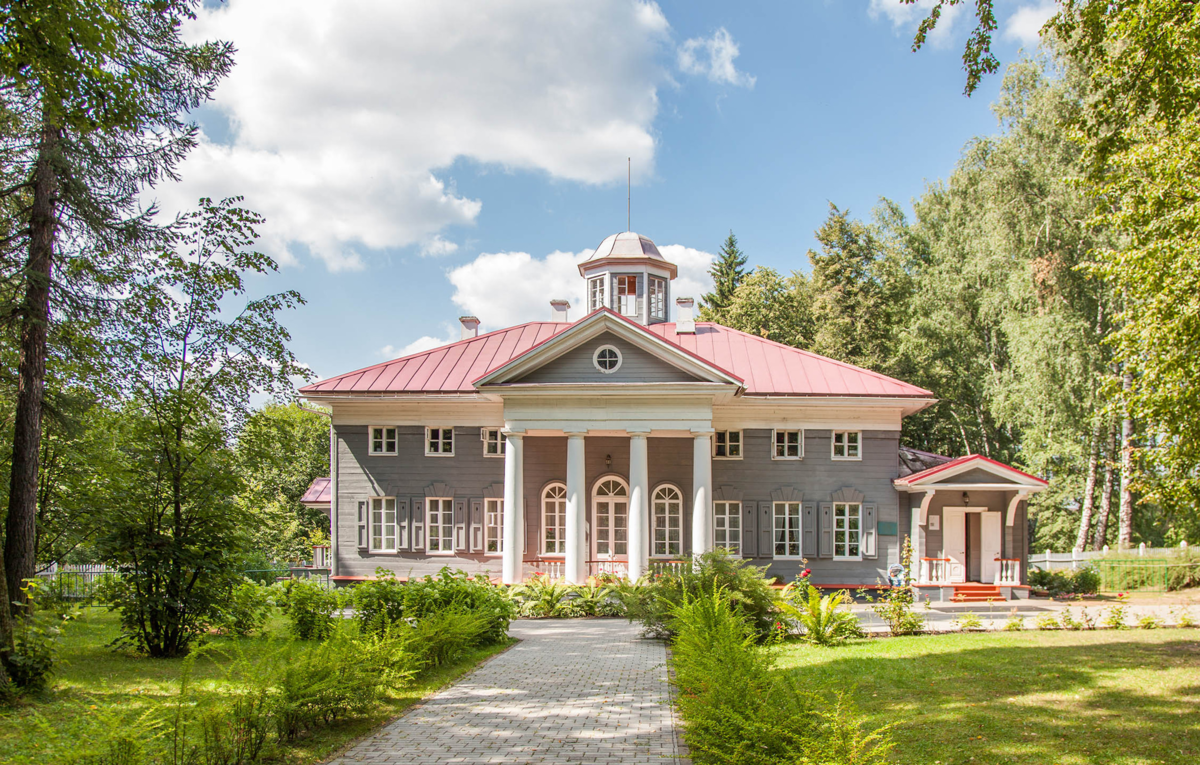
(628, 274)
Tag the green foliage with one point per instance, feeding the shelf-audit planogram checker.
(442, 636)
(1116, 615)
(280, 450)
(737, 710)
(727, 271)
(542, 597)
(1046, 622)
(821, 618)
(246, 609)
(237, 733)
(1150, 622)
(895, 608)
(651, 600)
(454, 590)
(310, 607)
(1015, 623)
(1060, 582)
(36, 637)
(968, 622)
(378, 602)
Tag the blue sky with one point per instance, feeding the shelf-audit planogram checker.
(421, 160)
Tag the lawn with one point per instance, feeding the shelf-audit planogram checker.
(97, 690)
(1061, 698)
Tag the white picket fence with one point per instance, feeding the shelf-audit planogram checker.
(1051, 561)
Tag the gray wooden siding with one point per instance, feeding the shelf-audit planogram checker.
(636, 366)
(818, 476)
(407, 476)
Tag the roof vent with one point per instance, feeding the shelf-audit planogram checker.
(684, 323)
(470, 327)
(559, 309)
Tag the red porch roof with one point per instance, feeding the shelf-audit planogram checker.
(318, 494)
(959, 461)
(768, 368)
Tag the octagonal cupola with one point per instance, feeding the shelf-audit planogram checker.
(628, 274)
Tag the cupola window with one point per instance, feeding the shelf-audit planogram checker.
(596, 293)
(627, 295)
(658, 298)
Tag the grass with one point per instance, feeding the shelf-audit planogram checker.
(1060, 698)
(96, 689)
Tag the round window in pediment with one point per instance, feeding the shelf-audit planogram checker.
(607, 359)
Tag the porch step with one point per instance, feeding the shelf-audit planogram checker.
(976, 593)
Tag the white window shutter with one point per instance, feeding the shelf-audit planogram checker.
(868, 531)
(364, 520)
(418, 525)
(460, 525)
(402, 520)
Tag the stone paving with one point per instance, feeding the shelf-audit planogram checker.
(579, 691)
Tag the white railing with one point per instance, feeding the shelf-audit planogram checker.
(553, 569)
(608, 567)
(673, 567)
(1008, 571)
(1049, 561)
(935, 571)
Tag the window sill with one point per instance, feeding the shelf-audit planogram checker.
(787, 557)
(485, 454)
(847, 459)
(735, 458)
(787, 459)
(439, 454)
(837, 559)
(383, 454)
(443, 553)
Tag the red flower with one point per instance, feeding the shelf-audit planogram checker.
(806, 572)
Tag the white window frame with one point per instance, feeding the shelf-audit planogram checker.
(444, 506)
(654, 527)
(656, 291)
(716, 444)
(596, 286)
(441, 441)
(596, 359)
(787, 527)
(383, 440)
(845, 544)
(493, 525)
(629, 310)
(380, 506)
(485, 434)
(775, 444)
(846, 445)
(725, 511)
(560, 514)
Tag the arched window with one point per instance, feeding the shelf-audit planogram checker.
(554, 519)
(610, 501)
(667, 514)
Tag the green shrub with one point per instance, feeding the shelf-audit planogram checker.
(542, 597)
(36, 637)
(236, 732)
(343, 676)
(1115, 617)
(736, 709)
(1015, 623)
(1085, 581)
(246, 610)
(1183, 617)
(1046, 622)
(309, 607)
(453, 589)
(821, 618)
(443, 636)
(652, 599)
(379, 602)
(1150, 622)
(968, 622)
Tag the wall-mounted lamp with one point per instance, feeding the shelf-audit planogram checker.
(966, 498)
(608, 460)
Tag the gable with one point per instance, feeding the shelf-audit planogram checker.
(978, 475)
(637, 366)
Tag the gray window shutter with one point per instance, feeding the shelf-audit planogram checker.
(808, 528)
(766, 530)
(825, 530)
(418, 524)
(532, 524)
(749, 531)
(460, 524)
(402, 538)
(476, 525)
(868, 531)
(364, 520)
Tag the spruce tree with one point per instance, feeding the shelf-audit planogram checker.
(727, 272)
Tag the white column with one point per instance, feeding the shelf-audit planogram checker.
(514, 507)
(701, 494)
(639, 498)
(576, 563)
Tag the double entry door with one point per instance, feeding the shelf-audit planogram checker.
(971, 539)
(610, 505)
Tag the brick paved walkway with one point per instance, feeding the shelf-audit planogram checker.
(572, 691)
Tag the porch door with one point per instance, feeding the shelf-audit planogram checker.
(989, 547)
(611, 505)
(954, 540)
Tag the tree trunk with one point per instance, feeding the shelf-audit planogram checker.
(1125, 531)
(1106, 493)
(1089, 491)
(20, 543)
(6, 642)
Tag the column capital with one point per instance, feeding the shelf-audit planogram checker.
(702, 433)
(512, 433)
(638, 433)
(576, 433)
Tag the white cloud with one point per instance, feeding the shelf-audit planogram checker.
(507, 288)
(435, 247)
(713, 57)
(905, 18)
(1027, 21)
(344, 114)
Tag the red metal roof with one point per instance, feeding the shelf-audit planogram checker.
(317, 493)
(957, 461)
(766, 367)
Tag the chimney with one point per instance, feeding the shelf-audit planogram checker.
(684, 323)
(470, 327)
(558, 310)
